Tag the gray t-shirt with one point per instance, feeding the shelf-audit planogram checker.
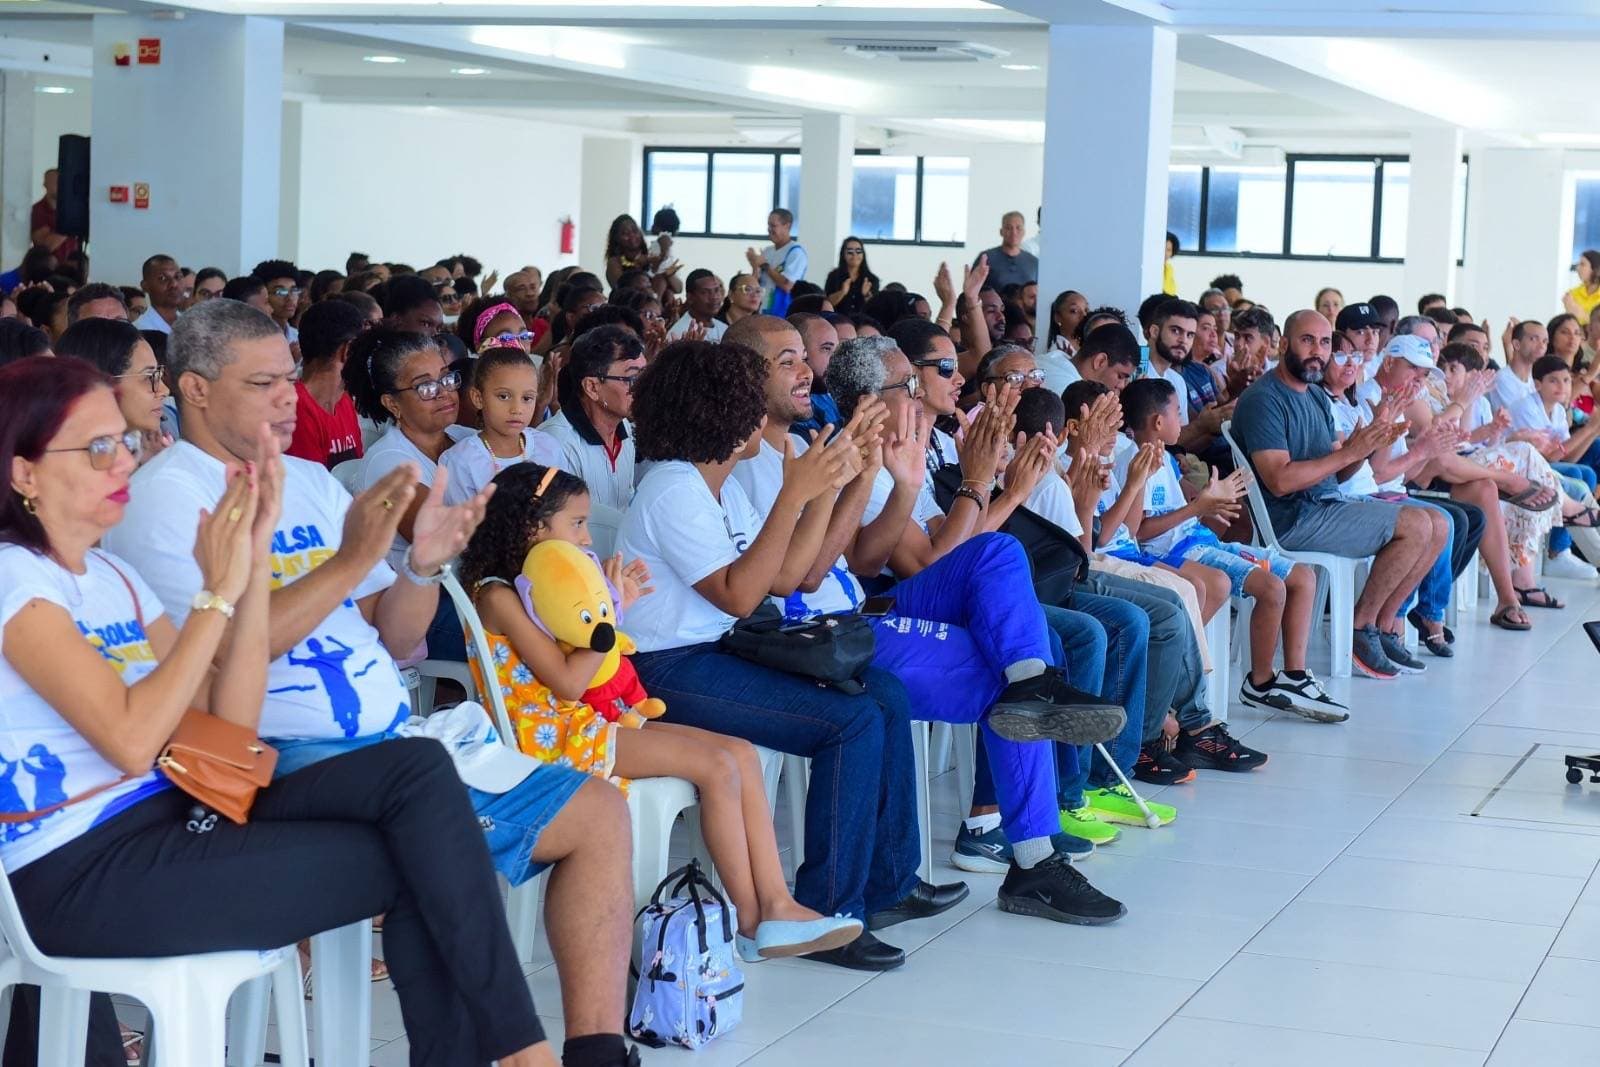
(1271, 416)
(1005, 270)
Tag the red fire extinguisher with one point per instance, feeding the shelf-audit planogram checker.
(566, 235)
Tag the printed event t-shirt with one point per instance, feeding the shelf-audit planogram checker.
(323, 436)
(472, 466)
(339, 681)
(43, 758)
(682, 533)
(393, 449)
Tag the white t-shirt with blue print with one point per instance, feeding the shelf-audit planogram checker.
(761, 477)
(43, 758)
(339, 681)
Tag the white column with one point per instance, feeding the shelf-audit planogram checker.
(1519, 233)
(827, 154)
(1108, 135)
(609, 190)
(20, 185)
(1433, 236)
(212, 164)
(291, 186)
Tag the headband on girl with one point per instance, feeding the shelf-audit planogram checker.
(486, 316)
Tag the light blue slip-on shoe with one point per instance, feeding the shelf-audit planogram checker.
(780, 937)
(746, 947)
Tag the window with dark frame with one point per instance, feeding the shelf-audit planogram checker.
(1326, 207)
(907, 200)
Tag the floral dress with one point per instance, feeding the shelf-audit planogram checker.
(566, 733)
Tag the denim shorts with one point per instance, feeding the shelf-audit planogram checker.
(1238, 562)
(512, 821)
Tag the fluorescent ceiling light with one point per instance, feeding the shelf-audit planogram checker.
(54, 90)
(469, 72)
(382, 59)
(1569, 138)
(1019, 66)
(1026, 130)
(592, 48)
(807, 87)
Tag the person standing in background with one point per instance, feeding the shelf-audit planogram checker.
(780, 264)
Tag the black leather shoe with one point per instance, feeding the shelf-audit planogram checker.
(922, 902)
(865, 953)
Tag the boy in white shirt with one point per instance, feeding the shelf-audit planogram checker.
(1170, 529)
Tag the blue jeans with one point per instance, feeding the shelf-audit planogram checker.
(1432, 594)
(446, 640)
(1176, 676)
(957, 625)
(862, 847)
(1127, 635)
(1560, 540)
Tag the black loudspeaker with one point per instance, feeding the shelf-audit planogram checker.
(72, 186)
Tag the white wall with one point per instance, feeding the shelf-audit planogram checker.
(612, 182)
(414, 185)
(55, 115)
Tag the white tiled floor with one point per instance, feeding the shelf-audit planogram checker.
(1340, 905)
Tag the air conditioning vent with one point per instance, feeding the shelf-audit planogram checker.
(918, 51)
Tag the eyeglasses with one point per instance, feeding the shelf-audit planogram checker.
(206, 294)
(449, 381)
(911, 385)
(652, 316)
(747, 289)
(855, 251)
(510, 337)
(626, 379)
(1345, 358)
(281, 293)
(152, 377)
(1017, 377)
(103, 450)
(946, 366)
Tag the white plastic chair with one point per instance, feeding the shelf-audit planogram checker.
(348, 475)
(1341, 570)
(1219, 683)
(187, 996)
(341, 1003)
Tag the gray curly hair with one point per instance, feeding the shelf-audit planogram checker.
(856, 370)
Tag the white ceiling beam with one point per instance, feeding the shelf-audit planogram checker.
(45, 57)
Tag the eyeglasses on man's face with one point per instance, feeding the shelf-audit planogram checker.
(285, 292)
(103, 450)
(625, 380)
(449, 381)
(911, 385)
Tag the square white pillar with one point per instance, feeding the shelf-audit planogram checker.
(1433, 238)
(1108, 136)
(827, 160)
(202, 127)
(20, 183)
(1516, 241)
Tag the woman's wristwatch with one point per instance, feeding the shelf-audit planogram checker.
(206, 600)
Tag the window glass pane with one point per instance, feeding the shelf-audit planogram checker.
(1332, 208)
(1585, 216)
(1183, 205)
(944, 198)
(1396, 209)
(789, 185)
(1461, 205)
(741, 192)
(885, 198)
(1244, 210)
(678, 180)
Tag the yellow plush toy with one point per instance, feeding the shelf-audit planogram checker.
(567, 595)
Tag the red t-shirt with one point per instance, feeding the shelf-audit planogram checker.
(44, 215)
(324, 437)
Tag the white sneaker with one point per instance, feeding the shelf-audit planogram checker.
(1566, 565)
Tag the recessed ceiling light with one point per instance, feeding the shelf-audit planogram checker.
(382, 59)
(469, 72)
(1019, 66)
(54, 90)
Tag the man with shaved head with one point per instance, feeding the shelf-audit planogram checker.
(1286, 430)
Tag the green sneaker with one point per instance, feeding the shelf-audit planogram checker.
(1085, 822)
(1116, 804)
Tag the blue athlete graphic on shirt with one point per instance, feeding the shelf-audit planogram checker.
(329, 663)
(795, 607)
(48, 773)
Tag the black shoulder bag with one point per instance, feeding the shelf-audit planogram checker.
(1058, 560)
(832, 650)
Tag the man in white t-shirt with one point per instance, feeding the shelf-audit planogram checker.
(702, 298)
(161, 284)
(778, 266)
(339, 615)
(953, 634)
(591, 432)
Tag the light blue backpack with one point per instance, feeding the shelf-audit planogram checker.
(690, 986)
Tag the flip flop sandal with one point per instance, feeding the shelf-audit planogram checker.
(1535, 497)
(1504, 620)
(1538, 597)
(1590, 517)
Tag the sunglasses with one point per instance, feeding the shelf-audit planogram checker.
(1017, 377)
(103, 450)
(152, 377)
(946, 366)
(626, 379)
(510, 337)
(747, 289)
(1345, 358)
(429, 390)
(282, 293)
(911, 385)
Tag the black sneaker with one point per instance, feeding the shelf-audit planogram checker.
(1215, 749)
(1395, 648)
(1046, 708)
(1157, 766)
(1304, 697)
(1053, 889)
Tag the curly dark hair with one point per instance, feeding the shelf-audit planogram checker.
(698, 402)
(512, 518)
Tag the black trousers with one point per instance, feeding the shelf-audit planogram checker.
(384, 829)
(1466, 527)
